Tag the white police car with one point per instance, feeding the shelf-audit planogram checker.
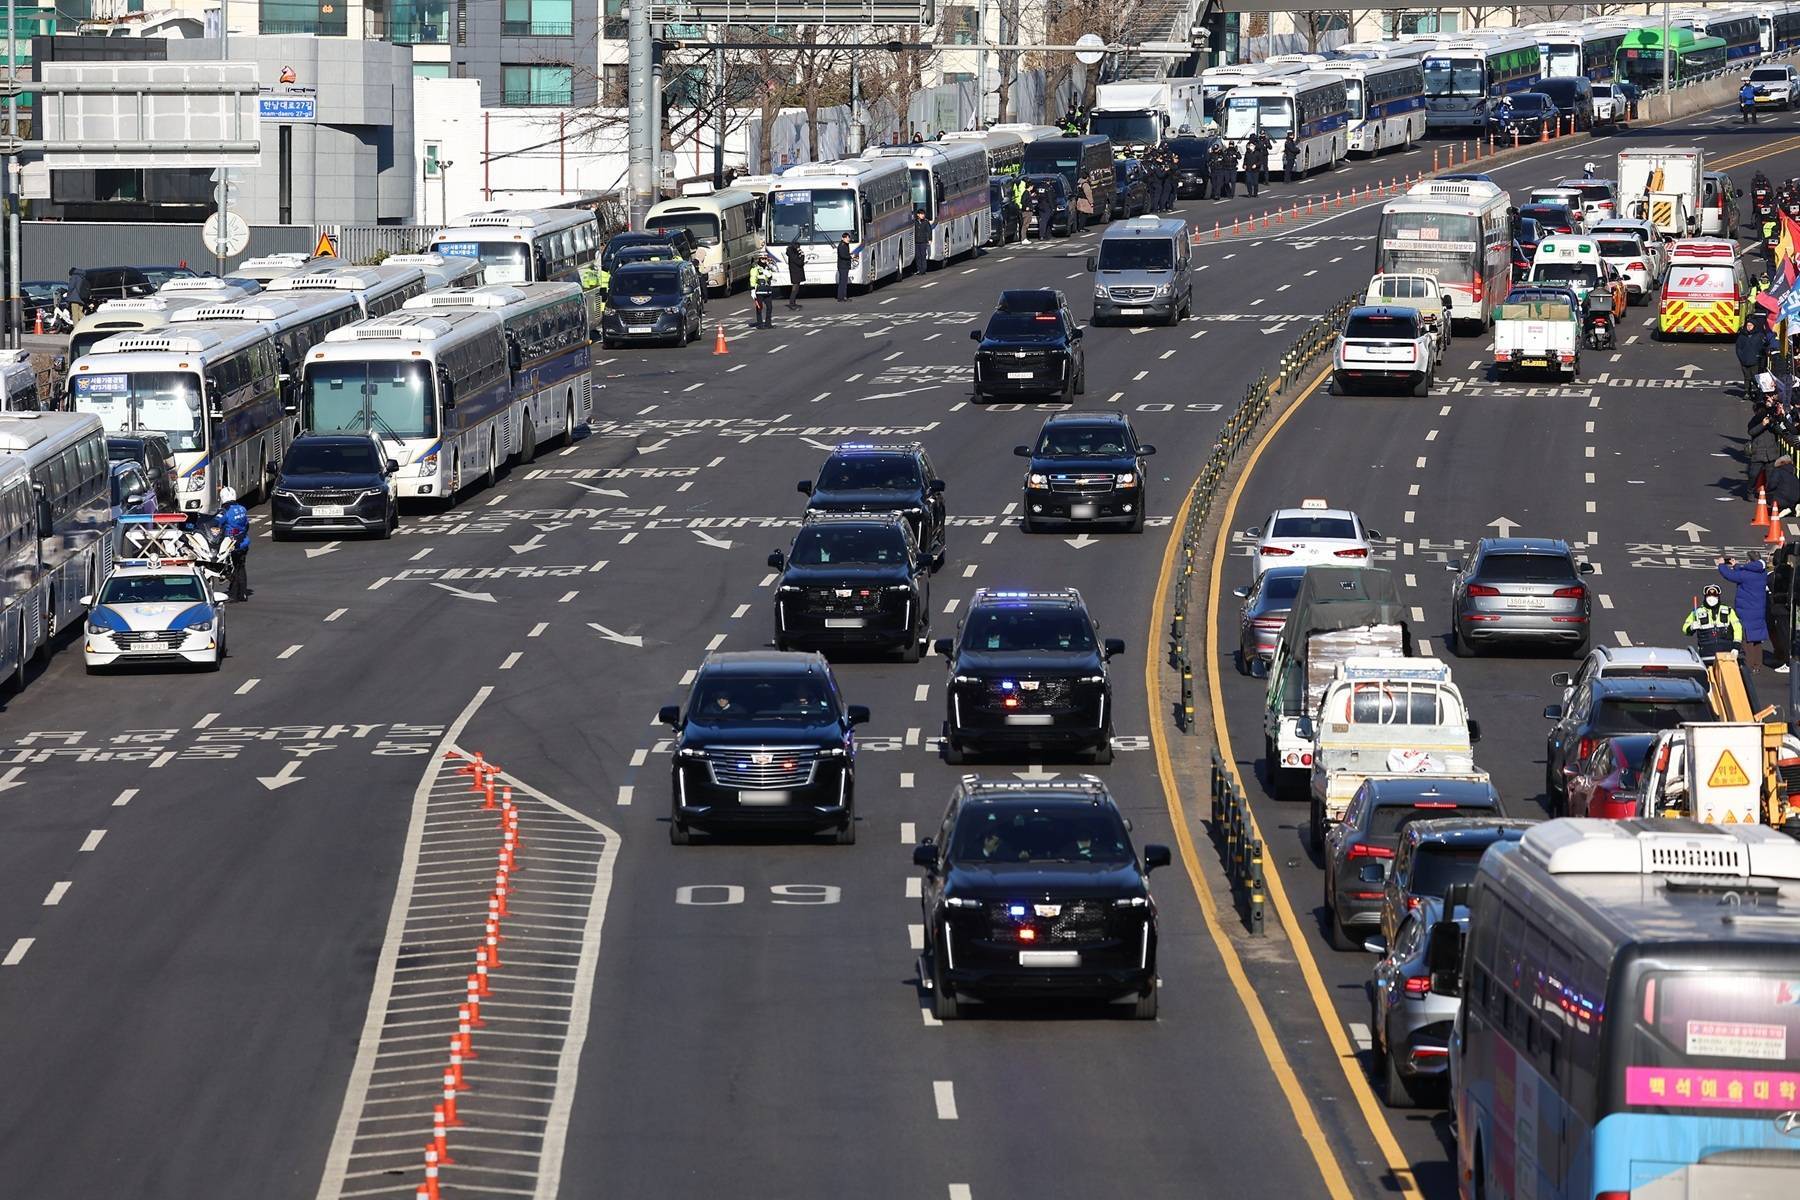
(154, 611)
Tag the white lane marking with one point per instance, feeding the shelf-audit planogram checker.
(692, 386)
(1115, 397)
(909, 833)
(767, 580)
(420, 554)
(912, 736)
(969, 570)
(960, 1191)
(1139, 376)
(1431, 435)
(1411, 581)
(1587, 451)
(1311, 273)
(1590, 506)
(538, 629)
(1076, 275)
(289, 652)
(1409, 516)
(854, 377)
(987, 539)
(687, 677)
(244, 688)
(1284, 287)
(1196, 333)
(1418, 614)
(737, 614)
(644, 412)
(739, 367)
(1605, 600)
(685, 485)
(718, 639)
(922, 693)
(336, 613)
(1012, 506)
(92, 841)
(1444, 411)
(1167, 354)
(379, 582)
(628, 538)
(639, 757)
(950, 607)
(915, 936)
(1593, 539)
(779, 349)
(511, 660)
(820, 397)
(124, 797)
(1588, 478)
(1624, 638)
(499, 499)
(1359, 1034)
(933, 336)
(17, 954)
(57, 891)
(1412, 489)
(915, 887)
(1419, 465)
(207, 720)
(943, 1093)
(906, 779)
(1590, 427)
(893, 356)
(568, 596)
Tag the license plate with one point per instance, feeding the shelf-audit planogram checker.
(843, 622)
(1131, 312)
(1018, 374)
(1049, 958)
(1029, 719)
(1534, 362)
(142, 647)
(762, 799)
(1081, 512)
(328, 510)
(1524, 602)
(640, 329)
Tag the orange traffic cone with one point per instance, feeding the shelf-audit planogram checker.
(719, 339)
(1776, 533)
(37, 325)
(1762, 506)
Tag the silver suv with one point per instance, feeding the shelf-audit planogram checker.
(1414, 997)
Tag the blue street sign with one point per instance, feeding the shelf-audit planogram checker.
(287, 108)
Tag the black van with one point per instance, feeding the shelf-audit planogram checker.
(1086, 158)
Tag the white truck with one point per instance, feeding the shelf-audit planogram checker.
(1139, 115)
(1385, 716)
(1538, 330)
(1418, 290)
(1663, 185)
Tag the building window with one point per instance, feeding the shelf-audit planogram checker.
(615, 85)
(431, 70)
(959, 22)
(538, 18)
(535, 84)
(615, 25)
(323, 18)
(419, 23)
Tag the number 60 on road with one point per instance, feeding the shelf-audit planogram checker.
(718, 895)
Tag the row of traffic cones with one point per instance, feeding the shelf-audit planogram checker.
(482, 776)
(1395, 186)
(1774, 533)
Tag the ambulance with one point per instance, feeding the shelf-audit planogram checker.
(1704, 290)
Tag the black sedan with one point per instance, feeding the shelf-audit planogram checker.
(335, 483)
(1528, 114)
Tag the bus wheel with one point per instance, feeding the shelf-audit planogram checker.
(493, 466)
(568, 436)
(528, 451)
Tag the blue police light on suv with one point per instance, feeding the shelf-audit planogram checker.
(1086, 468)
(766, 741)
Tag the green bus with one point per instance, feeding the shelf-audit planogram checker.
(1641, 56)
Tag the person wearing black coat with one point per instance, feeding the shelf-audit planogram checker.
(1781, 612)
(1784, 488)
(1290, 158)
(796, 265)
(1752, 344)
(1764, 446)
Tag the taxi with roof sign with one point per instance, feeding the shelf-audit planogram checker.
(154, 610)
(1313, 534)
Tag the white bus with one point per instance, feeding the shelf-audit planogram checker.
(297, 321)
(432, 385)
(1572, 51)
(1459, 231)
(1313, 105)
(1778, 27)
(1216, 82)
(214, 391)
(548, 357)
(950, 182)
(531, 245)
(1386, 99)
(1466, 79)
(439, 270)
(723, 225)
(56, 521)
(377, 290)
(1005, 146)
(813, 205)
(151, 312)
(1414, 49)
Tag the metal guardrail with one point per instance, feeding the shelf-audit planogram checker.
(1231, 822)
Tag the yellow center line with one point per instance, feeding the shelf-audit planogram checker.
(1750, 156)
(1310, 1130)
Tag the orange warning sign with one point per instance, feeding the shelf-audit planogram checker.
(1727, 773)
(327, 247)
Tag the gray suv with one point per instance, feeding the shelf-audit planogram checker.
(1520, 591)
(1414, 996)
(1143, 272)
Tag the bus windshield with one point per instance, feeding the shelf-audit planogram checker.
(1454, 77)
(1714, 1039)
(1245, 114)
(921, 189)
(502, 262)
(390, 399)
(1561, 62)
(703, 226)
(1643, 67)
(812, 217)
(1127, 128)
(166, 402)
(1353, 98)
(1444, 244)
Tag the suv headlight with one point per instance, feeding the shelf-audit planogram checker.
(690, 752)
(1126, 479)
(961, 902)
(1037, 481)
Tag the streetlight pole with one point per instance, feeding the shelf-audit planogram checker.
(15, 311)
(444, 166)
(1667, 104)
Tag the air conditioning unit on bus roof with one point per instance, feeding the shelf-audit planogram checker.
(1456, 189)
(1582, 846)
(487, 296)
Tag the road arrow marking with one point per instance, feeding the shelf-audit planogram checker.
(879, 332)
(600, 491)
(908, 392)
(1689, 371)
(653, 447)
(11, 779)
(1035, 774)
(282, 777)
(327, 548)
(1504, 524)
(624, 639)
(1692, 530)
(708, 539)
(536, 543)
(456, 591)
(1082, 542)
(818, 445)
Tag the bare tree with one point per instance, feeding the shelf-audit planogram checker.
(1315, 24)
(1009, 59)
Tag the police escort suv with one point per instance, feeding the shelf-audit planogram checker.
(1027, 671)
(871, 477)
(854, 580)
(1034, 889)
(766, 742)
(1031, 346)
(1086, 468)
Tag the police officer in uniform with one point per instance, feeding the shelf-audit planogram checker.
(1232, 163)
(762, 290)
(1046, 211)
(1714, 624)
(921, 242)
(1290, 158)
(796, 264)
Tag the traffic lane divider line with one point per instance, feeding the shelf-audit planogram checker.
(1311, 1132)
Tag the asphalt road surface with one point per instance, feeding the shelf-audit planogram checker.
(205, 879)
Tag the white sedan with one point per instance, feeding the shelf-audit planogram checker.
(154, 611)
(1310, 535)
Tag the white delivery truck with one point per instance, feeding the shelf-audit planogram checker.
(1383, 716)
(1537, 331)
(1663, 185)
(1142, 114)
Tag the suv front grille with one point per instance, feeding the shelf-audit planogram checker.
(827, 601)
(1049, 695)
(1081, 483)
(341, 499)
(759, 768)
(1077, 922)
(1132, 293)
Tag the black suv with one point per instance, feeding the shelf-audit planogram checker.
(335, 482)
(766, 742)
(1034, 889)
(150, 451)
(92, 286)
(897, 477)
(1027, 671)
(653, 301)
(1031, 345)
(854, 579)
(1085, 468)
(1606, 706)
(679, 240)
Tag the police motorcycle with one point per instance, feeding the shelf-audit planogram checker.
(177, 537)
(1762, 198)
(1598, 325)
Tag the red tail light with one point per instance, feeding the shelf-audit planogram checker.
(1612, 1196)
(1275, 552)
(1482, 589)
(1637, 266)
(1571, 593)
(1353, 554)
(1584, 747)
(1269, 622)
(1412, 902)
(1364, 850)
(1419, 985)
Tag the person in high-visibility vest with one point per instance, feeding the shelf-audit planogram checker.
(762, 290)
(1715, 626)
